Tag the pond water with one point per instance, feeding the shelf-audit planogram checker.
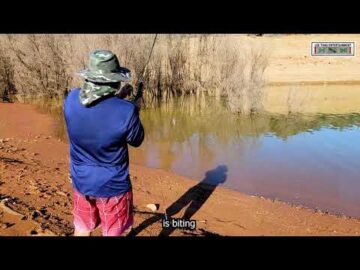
(307, 159)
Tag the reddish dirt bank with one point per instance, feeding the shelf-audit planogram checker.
(35, 193)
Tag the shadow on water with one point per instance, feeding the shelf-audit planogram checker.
(192, 200)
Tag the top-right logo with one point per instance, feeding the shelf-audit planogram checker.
(332, 48)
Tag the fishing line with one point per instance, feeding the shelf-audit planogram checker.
(147, 62)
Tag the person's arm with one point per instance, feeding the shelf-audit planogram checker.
(135, 133)
(138, 96)
(127, 92)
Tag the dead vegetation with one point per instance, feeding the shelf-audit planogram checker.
(43, 66)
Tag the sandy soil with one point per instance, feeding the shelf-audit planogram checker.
(300, 82)
(290, 59)
(326, 98)
(35, 193)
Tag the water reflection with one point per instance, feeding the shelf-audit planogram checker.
(304, 159)
(308, 159)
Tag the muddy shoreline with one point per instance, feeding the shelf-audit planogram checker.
(34, 183)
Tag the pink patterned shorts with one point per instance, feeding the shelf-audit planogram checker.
(114, 215)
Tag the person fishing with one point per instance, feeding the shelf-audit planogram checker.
(100, 125)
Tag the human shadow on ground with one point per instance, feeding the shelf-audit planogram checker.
(192, 200)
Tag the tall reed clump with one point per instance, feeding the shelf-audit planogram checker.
(296, 99)
(7, 87)
(181, 65)
(241, 74)
(40, 65)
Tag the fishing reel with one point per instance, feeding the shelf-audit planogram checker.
(127, 92)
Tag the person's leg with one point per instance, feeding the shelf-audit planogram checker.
(82, 233)
(86, 215)
(116, 214)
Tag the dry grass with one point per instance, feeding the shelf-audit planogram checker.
(296, 99)
(7, 87)
(242, 76)
(217, 65)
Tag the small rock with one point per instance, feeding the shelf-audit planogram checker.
(44, 226)
(61, 193)
(153, 207)
(35, 214)
(33, 232)
(7, 225)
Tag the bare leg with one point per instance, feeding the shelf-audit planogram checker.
(78, 233)
(127, 231)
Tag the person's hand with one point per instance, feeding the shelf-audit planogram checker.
(126, 90)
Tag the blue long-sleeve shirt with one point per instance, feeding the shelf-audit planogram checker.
(98, 136)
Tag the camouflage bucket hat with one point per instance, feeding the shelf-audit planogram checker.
(104, 67)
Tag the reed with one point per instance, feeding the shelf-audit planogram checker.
(43, 66)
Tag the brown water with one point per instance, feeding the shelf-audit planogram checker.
(311, 160)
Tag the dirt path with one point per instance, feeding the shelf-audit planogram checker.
(35, 193)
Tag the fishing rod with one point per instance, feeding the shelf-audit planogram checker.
(140, 84)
